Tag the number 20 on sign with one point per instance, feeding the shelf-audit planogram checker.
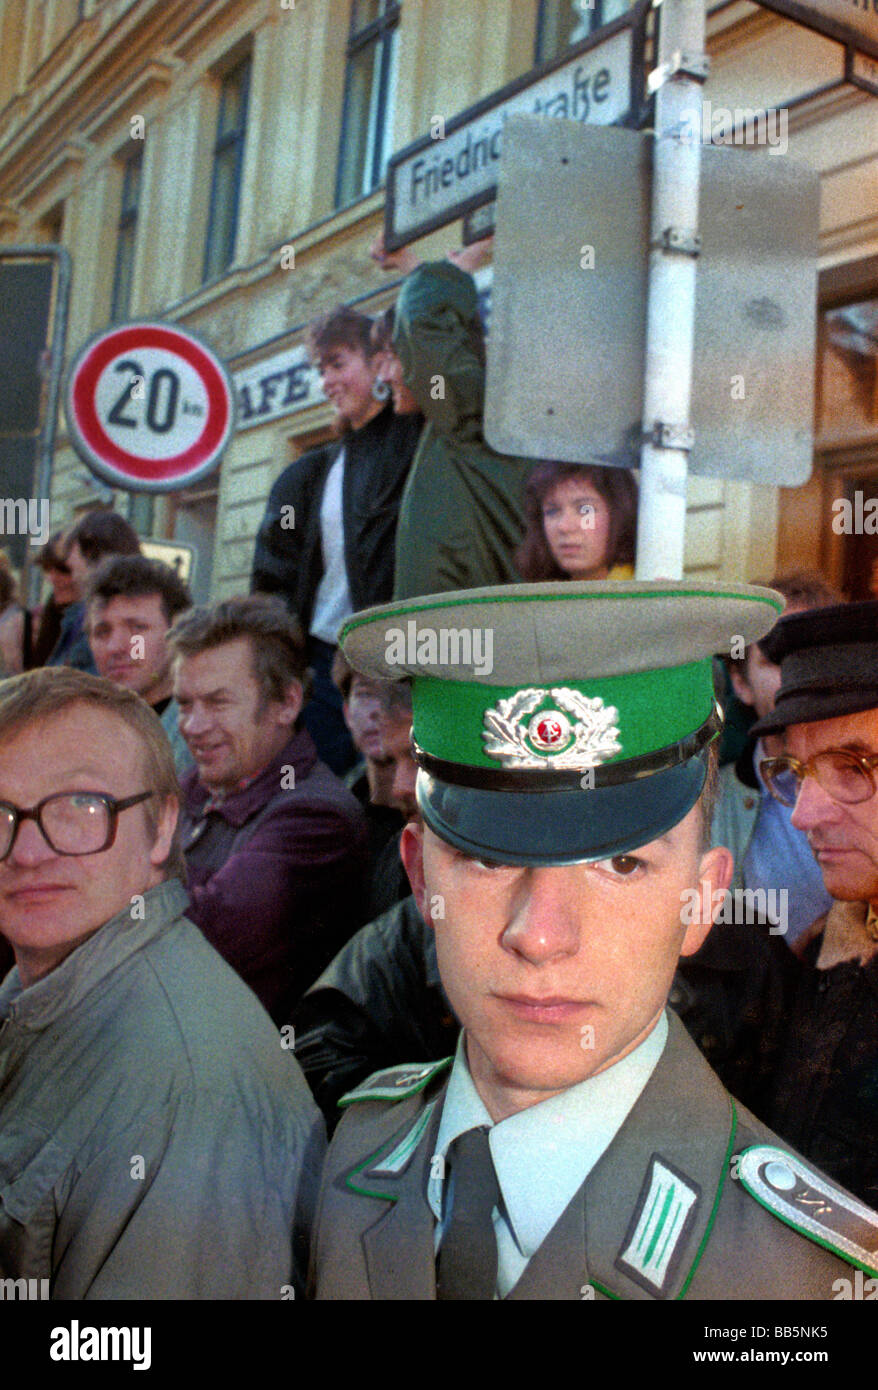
(150, 407)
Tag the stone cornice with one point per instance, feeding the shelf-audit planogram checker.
(63, 163)
(149, 82)
(122, 50)
(320, 234)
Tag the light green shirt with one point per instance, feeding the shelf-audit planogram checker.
(542, 1155)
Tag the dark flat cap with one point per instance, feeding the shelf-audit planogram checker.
(828, 660)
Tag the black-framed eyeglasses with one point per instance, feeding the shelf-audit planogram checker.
(73, 823)
(845, 776)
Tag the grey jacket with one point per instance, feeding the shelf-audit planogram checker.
(745, 1190)
(156, 1138)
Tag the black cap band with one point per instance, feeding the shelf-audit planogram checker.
(545, 780)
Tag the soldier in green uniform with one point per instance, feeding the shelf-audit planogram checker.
(577, 1145)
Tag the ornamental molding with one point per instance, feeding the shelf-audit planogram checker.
(52, 178)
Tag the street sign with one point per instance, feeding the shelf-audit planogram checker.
(756, 319)
(149, 406)
(451, 172)
(566, 356)
(276, 386)
(851, 22)
(862, 71)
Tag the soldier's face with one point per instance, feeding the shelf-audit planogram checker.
(558, 972)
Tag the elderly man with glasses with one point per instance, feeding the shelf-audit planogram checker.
(826, 1090)
(156, 1140)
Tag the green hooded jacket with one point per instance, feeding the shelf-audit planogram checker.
(462, 513)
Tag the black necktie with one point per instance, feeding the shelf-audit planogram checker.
(468, 1253)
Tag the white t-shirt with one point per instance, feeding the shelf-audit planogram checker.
(332, 602)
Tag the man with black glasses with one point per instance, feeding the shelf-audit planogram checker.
(826, 1090)
(156, 1141)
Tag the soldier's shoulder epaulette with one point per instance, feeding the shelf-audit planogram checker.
(805, 1199)
(396, 1083)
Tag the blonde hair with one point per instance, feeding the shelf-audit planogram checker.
(38, 695)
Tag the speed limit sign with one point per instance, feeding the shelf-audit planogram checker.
(149, 407)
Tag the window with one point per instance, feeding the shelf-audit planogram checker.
(370, 83)
(849, 371)
(123, 274)
(193, 513)
(562, 23)
(228, 157)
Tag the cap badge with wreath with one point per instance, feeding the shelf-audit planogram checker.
(561, 727)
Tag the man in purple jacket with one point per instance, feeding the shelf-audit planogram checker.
(274, 843)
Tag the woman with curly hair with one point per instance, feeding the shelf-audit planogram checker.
(581, 523)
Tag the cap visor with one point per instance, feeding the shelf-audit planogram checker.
(560, 827)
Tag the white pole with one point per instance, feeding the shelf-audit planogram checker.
(670, 317)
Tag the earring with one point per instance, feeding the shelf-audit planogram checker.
(380, 389)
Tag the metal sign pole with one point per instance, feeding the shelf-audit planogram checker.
(670, 322)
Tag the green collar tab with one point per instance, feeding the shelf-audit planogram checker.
(395, 1083)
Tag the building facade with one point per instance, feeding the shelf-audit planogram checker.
(220, 164)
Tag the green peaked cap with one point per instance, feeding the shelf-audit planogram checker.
(552, 721)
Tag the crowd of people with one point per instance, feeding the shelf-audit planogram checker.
(254, 879)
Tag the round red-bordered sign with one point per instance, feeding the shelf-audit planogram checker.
(149, 406)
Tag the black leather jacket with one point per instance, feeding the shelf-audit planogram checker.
(381, 1003)
(289, 560)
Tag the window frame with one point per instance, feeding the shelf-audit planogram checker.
(129, 215)
(598, 23)
(232, 139)
(380, 30)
